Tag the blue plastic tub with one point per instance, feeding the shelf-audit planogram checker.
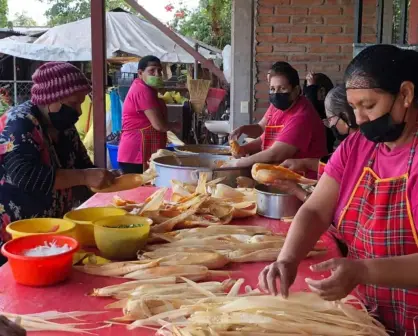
(113, 155)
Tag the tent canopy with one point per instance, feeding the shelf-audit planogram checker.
(124, 32)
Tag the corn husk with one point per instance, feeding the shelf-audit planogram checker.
(300, 314)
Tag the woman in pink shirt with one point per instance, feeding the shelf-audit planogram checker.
(144, 118)
(293, 128)
(369, 189)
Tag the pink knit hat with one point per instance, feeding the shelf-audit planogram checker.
(55, 81)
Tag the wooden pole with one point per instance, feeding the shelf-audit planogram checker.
(99, 77)
(177, 39)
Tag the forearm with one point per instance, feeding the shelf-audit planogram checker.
(395, 272)
(252, 131)
(68, 178)
(266, 156)
(252, 147)
(305, 231)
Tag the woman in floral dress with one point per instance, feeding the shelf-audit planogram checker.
(44, 168)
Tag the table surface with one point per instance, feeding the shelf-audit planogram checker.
(72, 294)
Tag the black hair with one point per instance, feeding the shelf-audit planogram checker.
(173, 68)
(323, 81)
(383, 67)
(286, 70)
(144, 62)
(336, 103)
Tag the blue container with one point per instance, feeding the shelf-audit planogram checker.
(113, 155)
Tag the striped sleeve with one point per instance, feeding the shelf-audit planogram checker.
(23, 162)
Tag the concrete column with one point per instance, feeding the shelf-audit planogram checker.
(242, 62)
(387, 22)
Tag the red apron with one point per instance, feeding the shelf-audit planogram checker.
(377, 223)
(152, 141)
(270, 136)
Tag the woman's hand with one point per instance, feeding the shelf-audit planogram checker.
(236, 133)
(9, 328)
(98, 178)
(310, 78)
(287, 186)
(295, 165)
(234, 163)
(284, 270)
(346, 274)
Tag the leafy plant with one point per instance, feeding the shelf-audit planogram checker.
(66, 11)
(209, 23)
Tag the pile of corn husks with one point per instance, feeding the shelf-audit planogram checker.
(194, 253)
(45, 321)
(217, 308)
(208, 203)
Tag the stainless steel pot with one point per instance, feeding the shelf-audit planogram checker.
(205, 149)
(186, 169)
(274, 204)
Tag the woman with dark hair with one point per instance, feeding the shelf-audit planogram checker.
(369, 189)
(293, 129)
(341, 121)
(316, 88)
(144, 118)
(44, 167)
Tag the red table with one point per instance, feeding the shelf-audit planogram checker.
(72, 295)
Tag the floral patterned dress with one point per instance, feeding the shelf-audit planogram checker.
(29, 161)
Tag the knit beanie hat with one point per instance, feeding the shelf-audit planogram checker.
(54, 81)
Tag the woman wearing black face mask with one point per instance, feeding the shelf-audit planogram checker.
(370, 189)
(44, 167)
(293, 128)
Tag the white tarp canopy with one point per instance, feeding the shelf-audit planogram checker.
(124, 32)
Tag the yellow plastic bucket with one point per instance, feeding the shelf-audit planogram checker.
(36, 226)
(121, 243)
(84, 219)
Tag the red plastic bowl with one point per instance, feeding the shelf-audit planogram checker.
(39, 271)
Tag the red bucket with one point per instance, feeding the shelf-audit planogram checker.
(39, 271)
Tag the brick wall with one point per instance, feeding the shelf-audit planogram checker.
(312, 35)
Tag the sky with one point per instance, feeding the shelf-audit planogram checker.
(36, 9)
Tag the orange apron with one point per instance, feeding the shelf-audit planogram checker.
(152, 141)
(377, 223)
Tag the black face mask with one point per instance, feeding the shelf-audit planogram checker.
(337, 134)
(280, 101)
(383, 129)
(65, 118)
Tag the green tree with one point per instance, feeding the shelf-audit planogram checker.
(4, 10)
(209, 23)
(66, 11)
(23, 20)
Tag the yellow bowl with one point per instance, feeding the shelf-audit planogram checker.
(36, 226)
(84, 219)
(121, 243)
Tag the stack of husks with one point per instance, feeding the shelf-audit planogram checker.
(217, 308)
(207, 204)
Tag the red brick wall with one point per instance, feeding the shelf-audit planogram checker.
(312, 35)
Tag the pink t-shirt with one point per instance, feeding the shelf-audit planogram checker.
(303, 128)
(352, 155)
(140, 98)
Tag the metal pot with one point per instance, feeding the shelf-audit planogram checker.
(187, 168)
(274, 204)
(205, 149)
